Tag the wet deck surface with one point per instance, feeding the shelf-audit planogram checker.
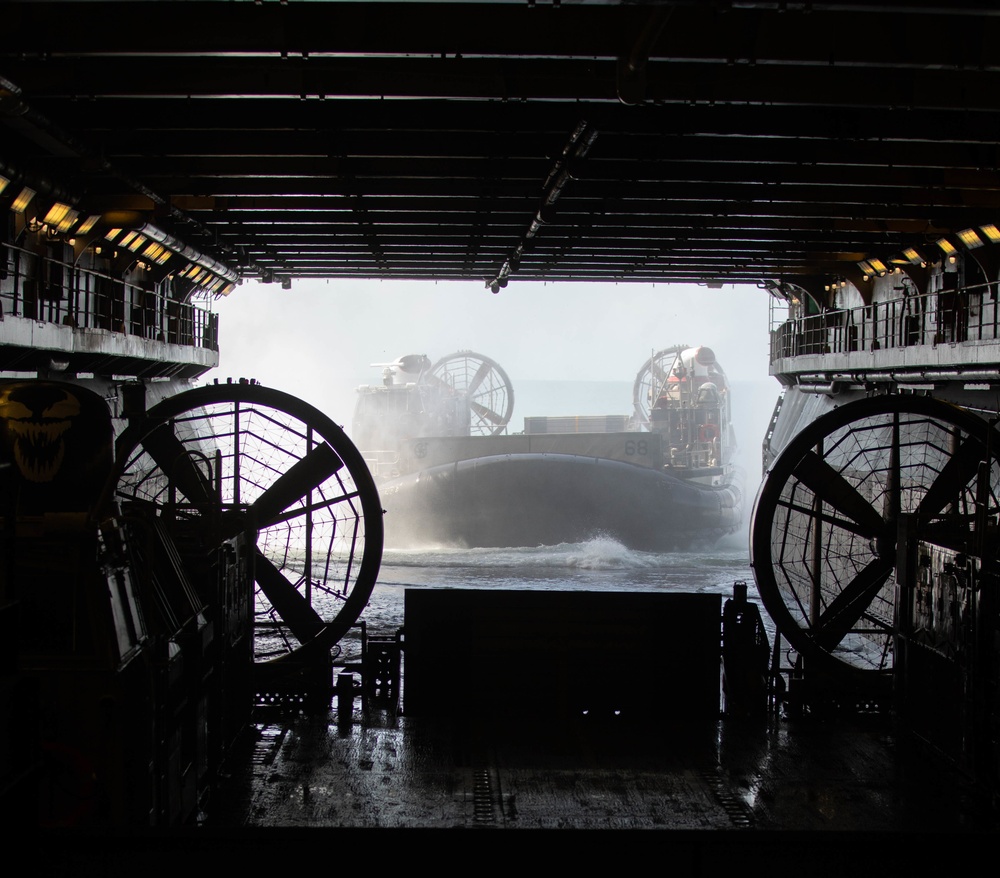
(401, 773)
(827, 797)
(391, 792)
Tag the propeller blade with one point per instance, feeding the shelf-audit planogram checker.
(833, 489)
(172, 456)
(300, 478)
(480, 376)
(844, 611)
(295, 611)
(955, 475)
(438, 382)
(486, 414)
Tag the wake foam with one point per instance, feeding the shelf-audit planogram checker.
(598, 553)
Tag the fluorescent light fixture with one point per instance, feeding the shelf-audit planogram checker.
(22, 200)
(878, 265)
(112, 234)
(226, 290)
(61, 217)
(136, 242)
(4, 183)
(913, 256)
(157, 252)
(88, 224)
(970, 238)
(867, 269)
(991, 232)
(946, 245)
(67, 222)
(127, 239)
(57, 213)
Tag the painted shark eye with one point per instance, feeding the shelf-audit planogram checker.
(11, 410)
(67, 407)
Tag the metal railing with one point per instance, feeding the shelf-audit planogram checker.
(946, 316)
(51, 291)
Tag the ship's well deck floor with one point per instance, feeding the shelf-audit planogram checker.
(386, 791)
(389, 771)
(806, 793)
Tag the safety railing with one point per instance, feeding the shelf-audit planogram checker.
(382, 464)
(968, 314)
(51, 291)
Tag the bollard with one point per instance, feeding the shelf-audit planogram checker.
(745, 656)
(740, 593)
(345, 697)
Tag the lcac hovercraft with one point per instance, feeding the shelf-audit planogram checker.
(435, 437)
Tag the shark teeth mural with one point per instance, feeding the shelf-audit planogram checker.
(38, 447)
(36, 425)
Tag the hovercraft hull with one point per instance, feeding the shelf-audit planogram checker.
(545, 499)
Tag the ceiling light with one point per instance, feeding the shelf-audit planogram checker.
(57, 213)
(991, 232)
(22, 200)
(946, 245)
(4, 182)
(970, 238)
(61, 217)
(88, 224)
(136, 243)
(157, 252)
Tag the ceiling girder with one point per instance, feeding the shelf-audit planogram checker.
(414, 139)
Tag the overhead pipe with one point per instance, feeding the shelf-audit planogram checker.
(838, 382)
(576, 148)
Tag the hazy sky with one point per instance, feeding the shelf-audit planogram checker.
(318, 339)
